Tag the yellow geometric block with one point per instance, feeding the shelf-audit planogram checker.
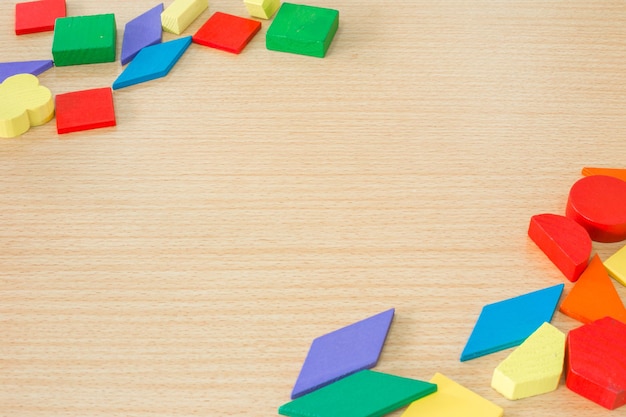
(616, 265)
(180, 14)
(452, 400)
(533, 368)
(23, 103)
(263, 9)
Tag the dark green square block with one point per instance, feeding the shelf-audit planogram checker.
(301, 29)
(84, 40)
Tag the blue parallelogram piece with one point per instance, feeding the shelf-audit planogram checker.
(8, 69)
(144, 30)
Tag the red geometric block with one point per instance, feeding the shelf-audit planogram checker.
(38, 16)
(227, 32)
(565, 242)
(596, 362)
(84, 110)
(598, 203)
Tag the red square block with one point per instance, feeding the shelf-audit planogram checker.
(38, 16)
(227, 32)
(84, 110)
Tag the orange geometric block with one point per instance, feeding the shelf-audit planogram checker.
(609, 172)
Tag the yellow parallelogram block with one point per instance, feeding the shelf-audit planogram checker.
(452, 400)
(533, 368)
(263, 9)
(23, 103)
(616, 265)
(181, 13)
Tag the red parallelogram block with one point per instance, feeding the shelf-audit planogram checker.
(227, 32)
(38, 16)
(84, 110)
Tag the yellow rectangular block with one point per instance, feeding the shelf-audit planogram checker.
(616, 265)
(181, 13)
(263, 9)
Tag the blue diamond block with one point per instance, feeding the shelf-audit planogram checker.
(343, 352)
(8, 69)
(142, 31)
(152, 62)
(508, 323)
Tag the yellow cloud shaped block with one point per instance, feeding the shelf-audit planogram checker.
(23, 103)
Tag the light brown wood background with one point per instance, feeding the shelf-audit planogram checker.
(180, 263)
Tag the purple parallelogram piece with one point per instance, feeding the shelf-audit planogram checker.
(8, 69)
(343, 352)
(142, 31)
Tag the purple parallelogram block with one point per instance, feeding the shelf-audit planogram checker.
(8, 69)
(343, 352)
(142, 31)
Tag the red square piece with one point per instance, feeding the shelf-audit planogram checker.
(38, 16)
(227, 32)
(84, 110)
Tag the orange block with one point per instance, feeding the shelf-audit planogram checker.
(609, 172)
(594, 296)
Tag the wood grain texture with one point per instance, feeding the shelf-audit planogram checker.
(181, 263)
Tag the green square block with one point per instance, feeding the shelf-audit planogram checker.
(301, 29)
(84, 40)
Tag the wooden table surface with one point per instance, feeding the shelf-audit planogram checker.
(180, 263)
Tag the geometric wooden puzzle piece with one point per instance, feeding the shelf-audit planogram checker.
(598, 203)
(616, 265)
(38, 16)
(142, 31)
(343, 352)
(593, 296)
(227, 32)
(152, 62)
(84, 110)
(533, 368)
(263, 9)
(84, 40)
(23, 103)
(610, 172)
(363, 394)
(566, 243)
(181, 13)
(508, 323)
(8, 69)
(595, 367)
(301, 29)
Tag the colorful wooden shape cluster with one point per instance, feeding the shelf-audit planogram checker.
(302, 29)
(452, 400)
(343, 352)
(38, 16)
(508, 323)
(8, 69)
(566, 243)
(363, 394)
(152, 62)
(616, 265)
(595, 365)
(594, 296)
(534, 367)
(263, 9)
(609, 172)
(23, 103)
(144, 30)
(84, 110)
(84, 40)
(598, 203)
(227, 32)
(181, 13)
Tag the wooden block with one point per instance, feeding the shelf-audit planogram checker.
(38, 16)
(452, 400)
(594, 296)
(181, 13)
(533, 368)
(616, 265)
(144, 30)
(263, 9)
(23, 103)
(595, 365)
(363, 394)
(598, 203)
(84, 40)
(227, 32)
(8, 69)
(609, 172)
(84, 110)
(565, 242)
(301, 29)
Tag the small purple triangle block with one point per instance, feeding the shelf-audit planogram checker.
(8, 69)
(144, 30)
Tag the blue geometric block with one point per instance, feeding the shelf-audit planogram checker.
(8, 69)
(142, 31)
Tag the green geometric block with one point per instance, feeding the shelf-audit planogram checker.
(301, 29)
(84, 40)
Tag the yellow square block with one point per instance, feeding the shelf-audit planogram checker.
(616, 265)
(180, 14)
(263, 9)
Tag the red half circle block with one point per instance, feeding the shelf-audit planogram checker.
(565, 242)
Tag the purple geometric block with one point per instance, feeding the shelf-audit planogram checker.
(8, 69)
(343, 352)
(142, 31)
